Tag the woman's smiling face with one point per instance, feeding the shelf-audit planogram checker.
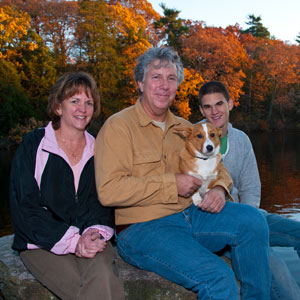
(76, 112)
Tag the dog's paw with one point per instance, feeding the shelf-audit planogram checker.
(196, 198)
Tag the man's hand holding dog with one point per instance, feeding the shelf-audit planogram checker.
(214, 200)
(187, 185)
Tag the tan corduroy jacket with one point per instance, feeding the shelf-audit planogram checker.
(135, 165)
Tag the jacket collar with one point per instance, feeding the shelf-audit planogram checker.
(145, 120)
(50, 144)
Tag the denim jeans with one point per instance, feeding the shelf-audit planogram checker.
(181, 247)
(283, 286)
(284, 233)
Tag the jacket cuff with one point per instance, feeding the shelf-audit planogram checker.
(67, 244)
(227, 192)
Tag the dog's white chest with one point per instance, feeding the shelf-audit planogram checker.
(206, 170)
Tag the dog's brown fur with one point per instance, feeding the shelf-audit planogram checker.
(196, 159)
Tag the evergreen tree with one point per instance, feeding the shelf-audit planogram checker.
(172, 27)
(256, 27)
(298, 38)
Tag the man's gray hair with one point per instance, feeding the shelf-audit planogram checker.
(166, 55)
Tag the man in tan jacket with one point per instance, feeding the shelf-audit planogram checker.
(158, 227)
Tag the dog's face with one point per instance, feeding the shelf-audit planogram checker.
(202, 139)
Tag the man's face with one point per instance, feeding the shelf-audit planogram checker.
(159, 90)
(215, 108)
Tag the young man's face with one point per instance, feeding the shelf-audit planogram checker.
(215, 108)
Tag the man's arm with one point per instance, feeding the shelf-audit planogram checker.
(114, 160)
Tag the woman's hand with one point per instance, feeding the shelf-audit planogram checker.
(90, 243)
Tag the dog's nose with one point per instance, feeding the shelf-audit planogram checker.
(209, 148)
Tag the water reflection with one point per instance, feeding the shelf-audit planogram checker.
(279, 166)
(290, 211)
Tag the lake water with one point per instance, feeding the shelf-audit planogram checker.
(278, 157)
(279, 165)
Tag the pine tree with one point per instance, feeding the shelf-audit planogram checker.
(172, 26)
(256, 27)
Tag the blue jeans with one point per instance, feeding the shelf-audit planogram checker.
(181, 248)
(284, 233)
(283, 286)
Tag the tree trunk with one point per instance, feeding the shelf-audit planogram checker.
(272, 100)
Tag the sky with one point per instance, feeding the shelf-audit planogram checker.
(280, 17)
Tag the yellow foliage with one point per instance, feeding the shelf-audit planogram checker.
(32, 46)
(14, 26)
(129, 24)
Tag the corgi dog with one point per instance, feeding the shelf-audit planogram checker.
(201, 155)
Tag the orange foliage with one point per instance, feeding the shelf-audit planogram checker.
(189, 88)
(272, 64)
(216, 54)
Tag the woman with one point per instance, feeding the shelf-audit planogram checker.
(61, 230)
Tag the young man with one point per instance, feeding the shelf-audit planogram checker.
(238, 156)
(158, 228)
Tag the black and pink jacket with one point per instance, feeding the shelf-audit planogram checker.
(47, 211)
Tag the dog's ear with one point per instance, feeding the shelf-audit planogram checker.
(219, 131)
(184, 132)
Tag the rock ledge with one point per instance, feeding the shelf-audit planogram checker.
(18, 284)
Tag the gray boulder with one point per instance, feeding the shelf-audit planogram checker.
(16, 282)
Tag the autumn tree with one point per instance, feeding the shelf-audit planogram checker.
(14, 27)
(97, 50)
(26, 50)
(38, 73)
(55, 21)
(274, 70)
(111, 37)
(134, 38)
(216, 54)
(57, 26)
(281, 67)
(144, 9)
(185, 103)
(26, 68)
